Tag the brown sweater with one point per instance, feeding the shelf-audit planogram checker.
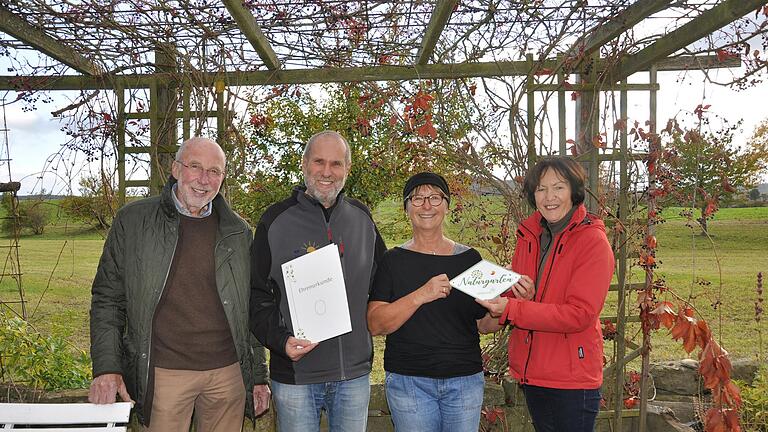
(190, 329)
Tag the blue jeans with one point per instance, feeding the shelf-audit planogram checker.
(421, 404)
(561, 410)
(346, 402)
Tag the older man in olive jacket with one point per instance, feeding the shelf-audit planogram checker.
(169, 312)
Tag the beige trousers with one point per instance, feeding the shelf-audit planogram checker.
(217, 398)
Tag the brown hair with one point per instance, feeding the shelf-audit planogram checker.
(566, 168)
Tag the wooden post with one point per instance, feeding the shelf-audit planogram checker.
(530, 95)
(650, 230)
(163, 106)
(621, 268)
(120, 92)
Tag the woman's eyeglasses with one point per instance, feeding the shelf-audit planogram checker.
(434, 200)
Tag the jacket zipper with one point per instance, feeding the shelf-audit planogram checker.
(329, 233)
(543, 291)
(154, 309)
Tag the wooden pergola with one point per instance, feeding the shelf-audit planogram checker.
(178, 48)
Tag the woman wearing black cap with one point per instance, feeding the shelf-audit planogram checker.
(434, 372)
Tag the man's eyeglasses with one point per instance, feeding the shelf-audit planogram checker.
(434, 200)
(198, 169)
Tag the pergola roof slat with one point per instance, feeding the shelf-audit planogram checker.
(604, 33)
(709, 21)
(247, 24)
(328, 75)
(437, 22)
(23, 31)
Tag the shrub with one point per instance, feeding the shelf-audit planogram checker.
(97, 205)
(33, 215)
(754, 411)
(34, 360)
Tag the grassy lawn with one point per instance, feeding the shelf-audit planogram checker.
(718, 275)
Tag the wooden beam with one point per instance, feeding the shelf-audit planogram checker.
(326, 75)
(598, 36)
(440, 16)
(247, 23)
(20, 29)
(704, 24)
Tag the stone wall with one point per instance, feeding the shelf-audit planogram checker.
(676, 391)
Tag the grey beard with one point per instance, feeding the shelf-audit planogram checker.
(327, 200)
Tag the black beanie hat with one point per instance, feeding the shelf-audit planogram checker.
(426, 178)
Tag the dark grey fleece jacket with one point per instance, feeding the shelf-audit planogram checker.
(290, 229)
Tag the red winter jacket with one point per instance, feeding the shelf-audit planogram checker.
(557, 341)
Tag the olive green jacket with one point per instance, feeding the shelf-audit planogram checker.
(130, 279)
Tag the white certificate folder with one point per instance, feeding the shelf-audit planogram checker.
(317, 296)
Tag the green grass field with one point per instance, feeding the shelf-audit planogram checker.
(58, 268)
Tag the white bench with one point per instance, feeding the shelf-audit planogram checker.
(68, 417)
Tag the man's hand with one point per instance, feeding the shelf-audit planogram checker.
(105, 387)
(261, 395)
(297, 348)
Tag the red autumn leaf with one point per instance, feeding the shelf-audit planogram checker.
(666, 313)
(647, 260)
(704, 333)
(597, 141)
(574, 96)
(732, 394)
(699, 111)
(544, 71)
(631, 402)
(723, 55)
(472, 89)
(710, 208)
(364, 98)
(650, 242)
(714, 421)
(422, 101)
(732, 420)
(427, 129)
(106, 116)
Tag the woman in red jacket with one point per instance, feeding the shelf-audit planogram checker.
(556, 345)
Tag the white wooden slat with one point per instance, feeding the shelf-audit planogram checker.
(62, 414)
(79, 429)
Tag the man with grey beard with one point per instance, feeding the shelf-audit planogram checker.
(331, 375)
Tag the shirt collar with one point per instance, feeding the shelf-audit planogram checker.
(207, 210)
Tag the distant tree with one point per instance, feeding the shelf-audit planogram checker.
(97, 204)
(700, 169)
(31, 215)
(754, 194)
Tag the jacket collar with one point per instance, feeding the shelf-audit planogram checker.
(579, 220)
